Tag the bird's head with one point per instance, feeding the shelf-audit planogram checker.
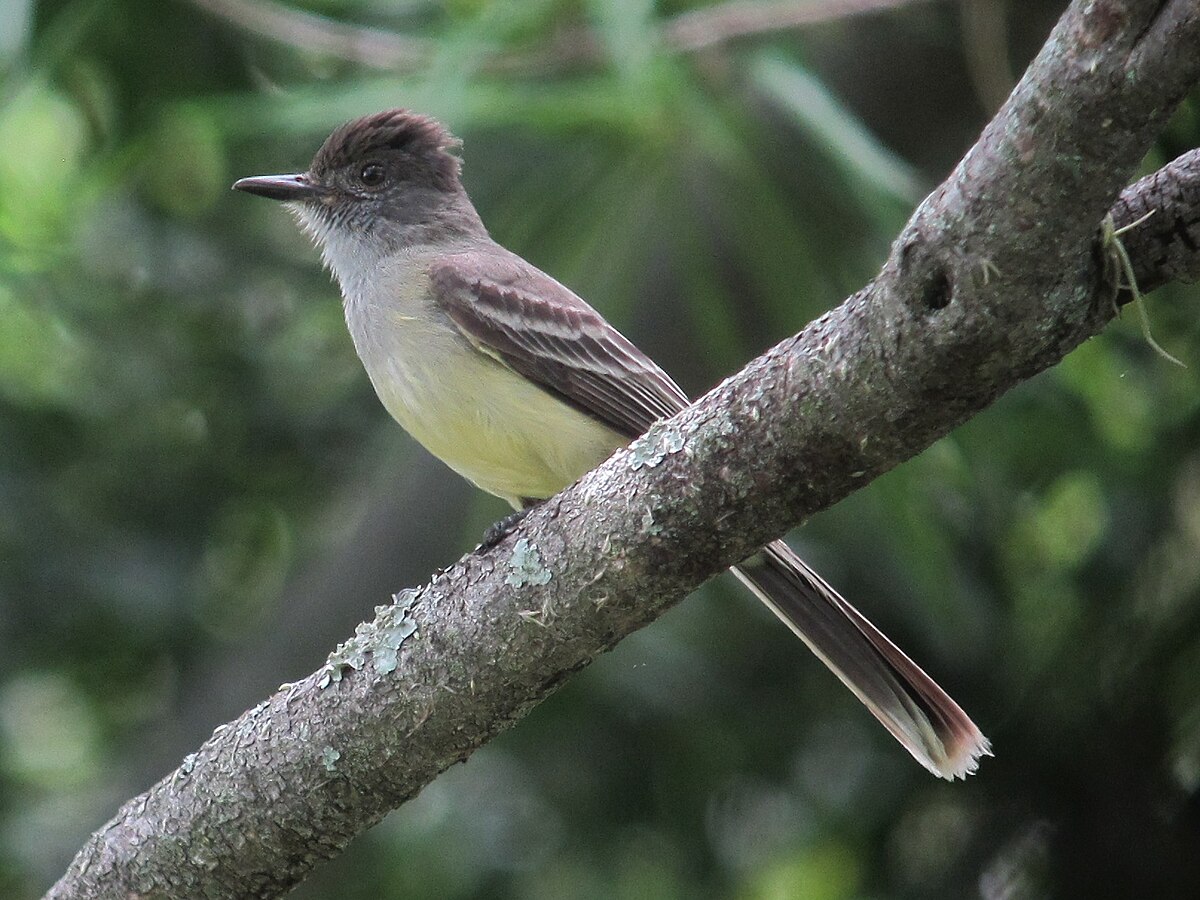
(382, 182)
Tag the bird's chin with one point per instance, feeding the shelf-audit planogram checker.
(348, 253)
(312, 223)
(312, 220)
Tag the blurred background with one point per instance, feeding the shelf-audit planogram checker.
(200, 495)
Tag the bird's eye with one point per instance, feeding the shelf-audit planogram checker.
(372, 175)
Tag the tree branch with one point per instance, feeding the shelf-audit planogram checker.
(721, 23)
(1165, 246)
(388, 50)
(314, 33)
(997, 275)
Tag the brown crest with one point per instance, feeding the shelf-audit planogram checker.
(423, 139)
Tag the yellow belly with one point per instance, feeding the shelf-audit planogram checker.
(494, 427)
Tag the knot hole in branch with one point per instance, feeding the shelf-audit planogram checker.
(932, 289)
(937, 292)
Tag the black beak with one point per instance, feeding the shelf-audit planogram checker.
(280, 187)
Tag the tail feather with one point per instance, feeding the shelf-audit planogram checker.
(908, 702)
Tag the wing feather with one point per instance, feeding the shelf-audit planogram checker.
(539, 328)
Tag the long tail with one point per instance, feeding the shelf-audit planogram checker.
(910, 705)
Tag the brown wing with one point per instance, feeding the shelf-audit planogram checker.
(537, 327)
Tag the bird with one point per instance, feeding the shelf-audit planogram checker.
(521, 387)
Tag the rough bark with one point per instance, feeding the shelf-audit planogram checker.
(998, 274)
(1162, 213)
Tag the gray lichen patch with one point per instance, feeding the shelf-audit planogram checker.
(526, 566)
(185, 769)
(655, 445)
(380, 640)
(329, 758)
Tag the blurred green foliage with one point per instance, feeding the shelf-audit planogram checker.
(199, 495)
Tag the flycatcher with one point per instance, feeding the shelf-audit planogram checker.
(519, 386)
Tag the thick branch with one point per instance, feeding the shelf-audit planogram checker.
(997, 275)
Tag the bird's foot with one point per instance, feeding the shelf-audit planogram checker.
(500, 529)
